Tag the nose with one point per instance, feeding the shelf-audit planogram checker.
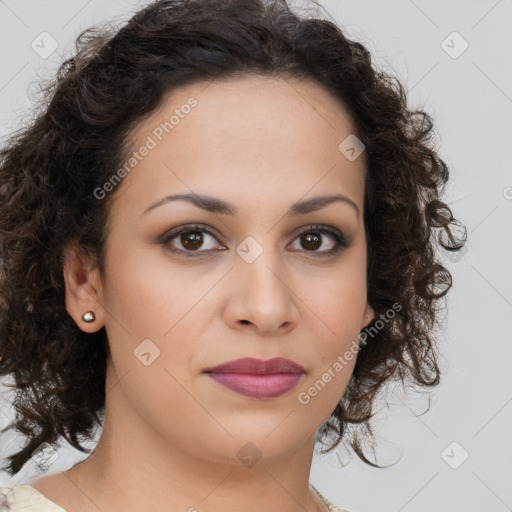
(262, 298)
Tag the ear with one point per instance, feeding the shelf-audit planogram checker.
(83, 287)
(368, 316)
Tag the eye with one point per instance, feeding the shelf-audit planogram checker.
(191, 238)
(196, 240)
(313, 238)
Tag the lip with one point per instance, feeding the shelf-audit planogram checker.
(258, 378)
(258, 366)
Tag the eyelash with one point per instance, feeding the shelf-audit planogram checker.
(342, 242)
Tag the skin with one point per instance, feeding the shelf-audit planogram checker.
(171, 434)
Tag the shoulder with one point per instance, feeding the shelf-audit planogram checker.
(24, 498)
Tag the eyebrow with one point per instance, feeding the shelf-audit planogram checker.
(215, 205)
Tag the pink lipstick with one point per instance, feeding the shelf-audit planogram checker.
(258, 378)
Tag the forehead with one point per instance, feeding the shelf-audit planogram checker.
(252, 133)
(248, 110)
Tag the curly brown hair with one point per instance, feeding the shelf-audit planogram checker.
(50, 169)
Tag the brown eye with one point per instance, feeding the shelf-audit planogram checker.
(315, 237)
(311, 241)
(191, 239)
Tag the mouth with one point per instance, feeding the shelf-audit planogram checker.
(258, 386)
(258, 378)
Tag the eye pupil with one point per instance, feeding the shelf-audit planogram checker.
(311, 238)
(193, 238)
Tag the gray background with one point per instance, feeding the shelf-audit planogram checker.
(469, 94)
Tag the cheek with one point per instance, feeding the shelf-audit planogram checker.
(339, 303)
(144, 295)
(337, 308)
(149, 311)
(150, 346)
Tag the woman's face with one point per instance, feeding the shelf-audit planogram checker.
(249, 282)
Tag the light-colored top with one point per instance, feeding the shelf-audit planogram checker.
(330, 506)
(24, 498)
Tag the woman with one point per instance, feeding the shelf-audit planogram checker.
(218, 243)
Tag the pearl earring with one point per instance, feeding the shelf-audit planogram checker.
(88, 317)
